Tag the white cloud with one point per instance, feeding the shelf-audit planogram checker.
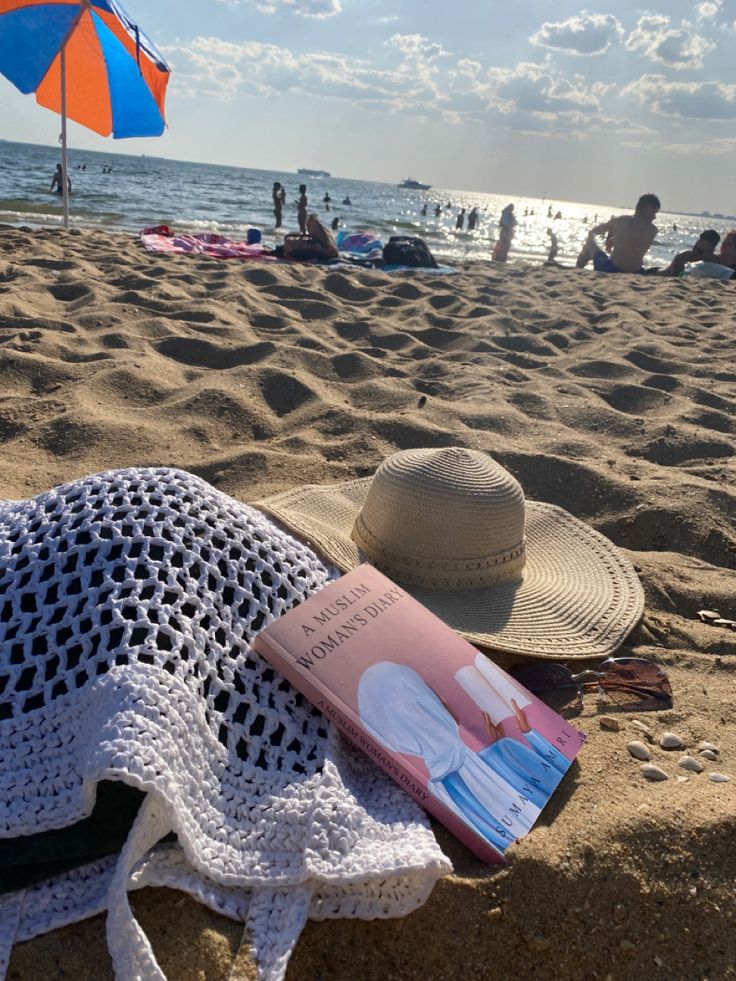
(676, 47)
(220, 69)
(708, 9)
(539, 88)
(584, 34)
(687, 100)
(319, 9)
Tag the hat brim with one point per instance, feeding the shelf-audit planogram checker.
(578, 598)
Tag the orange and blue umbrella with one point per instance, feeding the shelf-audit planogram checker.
(88, 61)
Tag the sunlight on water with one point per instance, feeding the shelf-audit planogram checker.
(145, 191)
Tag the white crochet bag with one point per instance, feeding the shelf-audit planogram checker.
(128, 602)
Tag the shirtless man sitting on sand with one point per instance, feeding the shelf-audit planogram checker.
(631, 235)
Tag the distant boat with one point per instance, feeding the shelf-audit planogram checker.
(414, 185)
(305, 172)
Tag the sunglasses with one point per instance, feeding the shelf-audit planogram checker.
(630, 683)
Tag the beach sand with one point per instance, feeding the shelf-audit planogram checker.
(611, 396)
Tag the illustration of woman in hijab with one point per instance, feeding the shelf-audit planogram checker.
(506, 690)
(522, 767)
(404, 714)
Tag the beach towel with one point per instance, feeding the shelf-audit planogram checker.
(710, 270)
(359, 245)
(128, 604)
(163, 239)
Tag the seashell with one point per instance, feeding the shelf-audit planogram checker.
(731, 624)
(638, 750)
(718, 777)
(710, 746)
(652, 772)
(670, 740)
(708, 754)
(608, 722)
(644, 730)
(708, 615)
(690, 763)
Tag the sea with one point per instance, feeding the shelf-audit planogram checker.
(128, 193)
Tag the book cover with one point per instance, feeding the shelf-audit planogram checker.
(473, 746)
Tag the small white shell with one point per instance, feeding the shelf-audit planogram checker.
(690, 763)
(638, 750)
(718, 777)
(708, 754)
(710, 746)
(706, 615)
(652, 772)
(670, 740)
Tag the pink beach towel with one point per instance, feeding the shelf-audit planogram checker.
(163, 239)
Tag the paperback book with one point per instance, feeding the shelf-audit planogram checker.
(474, 747)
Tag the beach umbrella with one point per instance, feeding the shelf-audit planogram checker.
(88, 61)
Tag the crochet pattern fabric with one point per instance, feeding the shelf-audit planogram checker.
(128, 602)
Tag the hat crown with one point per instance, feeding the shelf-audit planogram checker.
(444, 519)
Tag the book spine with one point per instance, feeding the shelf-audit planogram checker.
(349, 723)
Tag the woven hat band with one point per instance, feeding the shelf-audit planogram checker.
(447, 575)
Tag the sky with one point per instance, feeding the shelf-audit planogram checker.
(595, 103)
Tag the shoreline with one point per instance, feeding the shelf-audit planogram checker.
(613, 397)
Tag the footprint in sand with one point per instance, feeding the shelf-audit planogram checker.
(203, 354)
(635, 399)
(71, 293)
(284, 393)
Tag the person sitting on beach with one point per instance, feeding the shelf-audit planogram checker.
(301, 209)
(727, 255)
(631, 236)
(57, 181)
(703, 251)
(721, 265)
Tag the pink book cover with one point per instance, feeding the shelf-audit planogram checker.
(473, 746)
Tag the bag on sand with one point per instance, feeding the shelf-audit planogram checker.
(317, 244)
(402, 250)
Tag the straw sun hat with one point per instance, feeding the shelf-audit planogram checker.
(452, 527)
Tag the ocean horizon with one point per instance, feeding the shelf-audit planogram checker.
(146, 190)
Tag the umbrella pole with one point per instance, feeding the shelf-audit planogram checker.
(64, 155)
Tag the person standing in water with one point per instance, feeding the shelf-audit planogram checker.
(57, 181)
(326, 201)
(554, 248)
(278, 204)
(460, 220)
(301, 209)
(506, 224)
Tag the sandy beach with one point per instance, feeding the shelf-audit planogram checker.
(613, 397)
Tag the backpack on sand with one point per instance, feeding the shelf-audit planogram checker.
(402, 250)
